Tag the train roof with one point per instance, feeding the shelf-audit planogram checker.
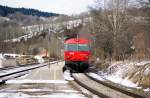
(77, 40)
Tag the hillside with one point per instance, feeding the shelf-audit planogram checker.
(4, 11)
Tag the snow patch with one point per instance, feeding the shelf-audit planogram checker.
(1, 56)
(142, 63)
(36, 81)
(147, 90)
(55, 95)
(117, 71)
(96, 76)
(115, 79)
(67, 75)
(39, 58)
(119, 80)
(24, 76)
(147, 72)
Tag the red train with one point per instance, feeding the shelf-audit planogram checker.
(77, 53)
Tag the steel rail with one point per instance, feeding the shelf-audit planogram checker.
(8, 68)
(99, 88)
(90, 89)
(119, 88)
(6, 76)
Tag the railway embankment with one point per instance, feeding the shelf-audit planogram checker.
(131, 74)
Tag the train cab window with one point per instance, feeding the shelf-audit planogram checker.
(77, 47)
(83, 47)
(71, 47)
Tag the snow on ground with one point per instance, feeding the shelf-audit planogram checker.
(35, 81)
(1, 56)
(96, 76)
(41, 90)
(138, 63)
(67, 75)
(39, 58)
(24, 76)
(29, 90)
(115, 79)
(119, 80)
(147, 90)
(116, 74)
(55, 95)
(142, 63)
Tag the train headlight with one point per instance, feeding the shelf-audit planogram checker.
(87, 56)
(71, 53)
(67, 57)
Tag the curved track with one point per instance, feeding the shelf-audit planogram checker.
(129, 91)
(103, 90)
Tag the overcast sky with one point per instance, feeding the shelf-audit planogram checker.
(58, 6)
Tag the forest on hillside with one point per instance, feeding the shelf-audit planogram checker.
(4, 11)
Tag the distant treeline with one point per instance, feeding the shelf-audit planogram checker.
(4, 11)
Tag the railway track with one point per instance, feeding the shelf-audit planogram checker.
(14, 72)
(97, 87)
(129, 91)
(102, 89)
(8, 68)
(45, 82)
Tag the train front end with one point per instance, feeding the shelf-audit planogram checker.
(77, 53)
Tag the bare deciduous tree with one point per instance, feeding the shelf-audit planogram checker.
(109, 19)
